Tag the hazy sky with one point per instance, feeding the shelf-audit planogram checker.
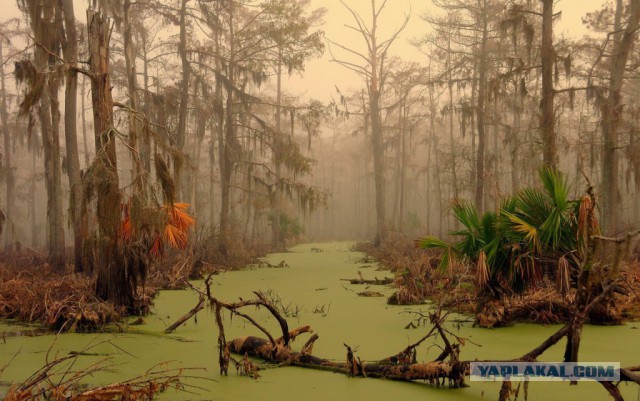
(321, 76)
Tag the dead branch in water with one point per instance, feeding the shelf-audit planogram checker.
(403, 366)
(597, 282)
(199, 306)
(375, 281)
(58, 380)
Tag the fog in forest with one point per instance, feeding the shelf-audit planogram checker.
(284, 121)
(373, 169)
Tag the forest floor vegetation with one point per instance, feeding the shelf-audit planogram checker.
(419, 279)
(65, 301)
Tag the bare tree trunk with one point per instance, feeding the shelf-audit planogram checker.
(201, 126)
(433, 143)
(212, 162)
(452, 141)
(276, 235)
(396, 193)
(428, 208)
(227, 143)
(226, 170)
(45, 20)
(611, 111)
(515, 144)
(474, 95)
(113, 282)
(71, 134)
(494, 165)
(634, 161)
(83, 93)
(184, 96)
(403, 172)
(32, 201)
(4, 119)
(53, 173)
(49, 114)
(145, 140)
(376, 135)
(332, 185)
(480, 114)
(547, 117)
(218, 135)
(132, 87)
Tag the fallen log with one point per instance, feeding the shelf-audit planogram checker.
(435, 372)
(403, 366)
(445, 369)
(375, 281)
(279, 350)
(374, 294)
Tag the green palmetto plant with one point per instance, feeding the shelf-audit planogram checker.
(535, 230)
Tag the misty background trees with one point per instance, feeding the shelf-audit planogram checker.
(190, 102)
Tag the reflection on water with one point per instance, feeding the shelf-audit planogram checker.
(312, 288)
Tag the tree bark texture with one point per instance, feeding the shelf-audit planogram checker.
(611, 112)
(112, 283)
(6, 135)
(377, 140)
(547, 116)
(70, 50)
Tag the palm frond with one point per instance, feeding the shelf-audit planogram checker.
(533, 204)
(467, 214)
(525, 273)
(507, 246)
(181, 219)
(530, 232)
(127, 232)
(175, 237)
(555, 185)
(431, 242)
(157, 247)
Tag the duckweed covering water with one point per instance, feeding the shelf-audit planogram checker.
(314, 294)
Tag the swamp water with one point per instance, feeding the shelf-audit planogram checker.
(314, 295)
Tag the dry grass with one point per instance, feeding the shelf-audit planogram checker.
(60, 302)
(418, 277)
(31, 292)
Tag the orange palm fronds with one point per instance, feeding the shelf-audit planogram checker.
(175, 237)
(126, 229)
(179, 218)
(157, 247)
(174, 233)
